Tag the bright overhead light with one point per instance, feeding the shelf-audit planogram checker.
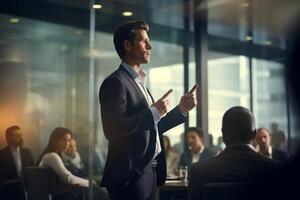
(248, 38)
(245, 5)
(127, 13)
(14, 20)
(97, 6)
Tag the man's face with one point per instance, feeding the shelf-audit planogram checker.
(16, 138)
(263, 139)
(140, 50)
(194, 140)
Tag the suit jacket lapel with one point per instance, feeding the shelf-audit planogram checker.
(133, 83)
(150, 95)
(10, 159)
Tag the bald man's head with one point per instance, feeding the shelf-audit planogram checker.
(238, 126)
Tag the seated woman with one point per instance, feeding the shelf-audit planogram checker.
(51, 157)
(172, 158)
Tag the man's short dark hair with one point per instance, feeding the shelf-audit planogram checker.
(197, 130)
(238, 125)
(10, 130)
(127, 31)
(263, 128)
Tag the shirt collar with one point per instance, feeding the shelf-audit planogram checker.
(17, 150)
(199, 152)
(241, 144)
(269, 151)
(130, 70)
(141, 76)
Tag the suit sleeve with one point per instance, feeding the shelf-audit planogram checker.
(115, 118)
(172, 119)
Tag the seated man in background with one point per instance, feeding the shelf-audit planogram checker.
(263, 140)
(238, 162)
(72, 160)
(197, 150)
(14, 158)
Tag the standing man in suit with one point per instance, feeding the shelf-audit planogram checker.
(263, 140)
(197, 150)
(238, 162)
(133, 122)
(14, 158)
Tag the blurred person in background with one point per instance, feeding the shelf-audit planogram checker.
(172, 158)
(263, 140)
(179, 146)
(72, 160)
(278, 140)
(51, 157)
(197, 150)
(14, 158)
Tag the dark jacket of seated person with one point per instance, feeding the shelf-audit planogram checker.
(197, 152)
(238, 163)
(14, 158)
(51, 157)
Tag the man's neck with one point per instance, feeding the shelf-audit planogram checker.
(265, 150)
(196, 150)
(136, 66)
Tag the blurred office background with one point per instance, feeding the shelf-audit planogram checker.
(54, 55)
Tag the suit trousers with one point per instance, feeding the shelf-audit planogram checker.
(143, 189)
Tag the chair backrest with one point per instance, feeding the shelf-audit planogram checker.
(38, 183)
(13, 190)
(224, 191)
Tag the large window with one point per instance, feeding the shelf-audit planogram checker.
(165, 73)
(228, 85)
(269, 95)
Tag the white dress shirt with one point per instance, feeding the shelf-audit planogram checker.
(17, 158)
(196, 156)
(140, 79)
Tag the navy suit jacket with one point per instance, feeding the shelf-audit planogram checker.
(129, 127)
(237, 163)
(7, 164)
(186, 157)
(279, 155)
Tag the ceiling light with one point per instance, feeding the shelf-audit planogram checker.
(127, 13)
(248, 38)
(97, 6)
(14, 20)
(245, 5)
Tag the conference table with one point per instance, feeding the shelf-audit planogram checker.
(174, 189)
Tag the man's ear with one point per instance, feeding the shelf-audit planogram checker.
(127, 45)
(253, 134)
(224, 137)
